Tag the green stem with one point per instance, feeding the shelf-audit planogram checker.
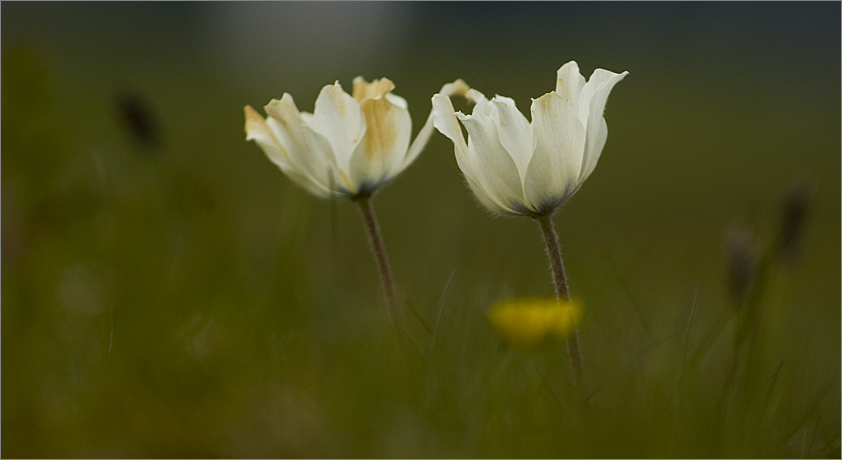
(562, 293)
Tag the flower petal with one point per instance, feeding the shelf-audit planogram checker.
(558, 139)
(377, 88)
(486, 201)
(258, 131)
(420, 141)
(515, 133)
(495, 169)
(338, 117)
(397, 100)
(569, 85)
(309, 152)
(483, 105)
(444, 119)
(380, 152)
(593, 151)
(595, 92)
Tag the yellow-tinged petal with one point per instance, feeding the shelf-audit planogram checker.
(254, 122)
(377, 88)
(310, 153)
(457, 88)
(526, 323)
(383, 145)
(259, 131)
(351, 144)
(256, 130)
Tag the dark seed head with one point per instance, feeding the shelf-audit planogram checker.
(795, 208)
(139, 120)
(742, 261)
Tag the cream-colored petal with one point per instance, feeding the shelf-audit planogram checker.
(558, 138)
(420, 141)
(308, 118)
(596, 92)
(444, 119)
(593, 151)
(383, 145)
(488, 198)
(482, 105)
(569, 84)
(258, 131)
(309, 152)
(597, 89)
(515, 133)
(458, 87)
(322, 177)
(338, 118)
(496, 171)
(474, 96)
(471, 179)
(397, 100)
(487, 201)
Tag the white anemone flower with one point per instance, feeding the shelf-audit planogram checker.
(350, 146)
(516, 167)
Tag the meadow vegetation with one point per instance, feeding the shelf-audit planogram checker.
(174, 295)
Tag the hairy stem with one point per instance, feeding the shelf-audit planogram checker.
(562, 293)
(379, 250)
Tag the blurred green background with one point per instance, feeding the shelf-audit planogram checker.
(167, 292)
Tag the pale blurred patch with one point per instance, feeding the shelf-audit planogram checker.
(83, 289)
(281, 44)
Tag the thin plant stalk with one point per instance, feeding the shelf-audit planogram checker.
(382, 259)
(562, 293)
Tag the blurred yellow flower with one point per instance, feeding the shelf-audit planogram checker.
(350, 145)
(527, 322)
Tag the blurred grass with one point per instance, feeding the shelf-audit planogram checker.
(189, 301)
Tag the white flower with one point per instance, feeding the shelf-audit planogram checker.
(350, 146)
(521, 168)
